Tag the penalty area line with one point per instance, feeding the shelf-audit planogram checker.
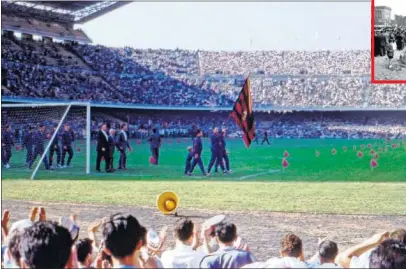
(272, 171)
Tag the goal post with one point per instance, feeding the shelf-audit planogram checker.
(28, 145)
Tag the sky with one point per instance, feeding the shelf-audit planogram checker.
(233, 26)
(398, 6)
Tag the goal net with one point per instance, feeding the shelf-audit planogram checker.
(45, 140)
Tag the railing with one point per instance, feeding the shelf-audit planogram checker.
(197, 108)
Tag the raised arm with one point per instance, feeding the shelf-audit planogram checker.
(344, 258)
(4, 223)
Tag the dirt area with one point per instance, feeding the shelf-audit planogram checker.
(262, 230)
(397, 72)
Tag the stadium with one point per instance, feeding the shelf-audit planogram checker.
(327, 166)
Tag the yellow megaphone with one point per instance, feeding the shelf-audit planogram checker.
(167, 202)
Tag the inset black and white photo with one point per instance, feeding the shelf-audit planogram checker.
(389, 40)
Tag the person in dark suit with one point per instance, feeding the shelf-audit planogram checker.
(102, 147)
(39, 140)
(189, 159)
(197, 151)
(3, 155)
(7, 142)
(255, 139)
(67, 139)
(390, 53)
(122, 145)
(55, 148)
(112, 145)
(28, 144)
(216, 151)
(265, 138)
(155, 142)
(225, 153)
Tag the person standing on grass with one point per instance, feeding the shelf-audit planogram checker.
(28, 144)
(225, 153)
(102, 147)
(112, 145)
(189, 159)
(216, 152)
(265, 138)
(255, 138)
(122, 145)
(55, 148)
(155, 142)
(67, 139)
(197, 151)
(39, 139)
(7, 142)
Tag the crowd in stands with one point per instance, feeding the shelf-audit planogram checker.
(37, 242)
(101, 74)
(143, 85)
(284, 125)
(355, 62)
(340, 125)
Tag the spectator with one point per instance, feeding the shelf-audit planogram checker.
(123, 238)
(84, 250)
(45, 245)
(184, 254)
(390, 254)
(359, 255)
(227, 256)
(291, 251)
(12, 255)
(327, 253)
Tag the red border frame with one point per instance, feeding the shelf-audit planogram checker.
(373, 52)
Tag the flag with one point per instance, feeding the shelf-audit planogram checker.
(243, 115)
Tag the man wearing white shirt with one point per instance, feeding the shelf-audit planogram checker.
(327, 254)
(183, 255)
(291, 252)
(359, 255)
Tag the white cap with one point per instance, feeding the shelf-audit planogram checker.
(214, 220)
(20, 225)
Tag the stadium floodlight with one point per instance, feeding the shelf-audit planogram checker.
(25, 139)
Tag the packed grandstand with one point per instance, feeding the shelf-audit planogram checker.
(292, 79)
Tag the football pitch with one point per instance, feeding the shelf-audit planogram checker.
(340, 183)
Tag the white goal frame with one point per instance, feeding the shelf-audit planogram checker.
(68, 107)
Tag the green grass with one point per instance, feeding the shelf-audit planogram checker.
(337, 198)
(341, 184)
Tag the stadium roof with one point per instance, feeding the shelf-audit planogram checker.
(67, 12)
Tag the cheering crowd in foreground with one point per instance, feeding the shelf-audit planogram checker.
(126, 243)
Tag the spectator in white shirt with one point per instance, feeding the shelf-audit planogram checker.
(327, 254)
(291, 251)
(184, 254)
(359, 255)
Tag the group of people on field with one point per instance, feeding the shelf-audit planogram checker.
(219, 154)
(34, 141)
(108, 139)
